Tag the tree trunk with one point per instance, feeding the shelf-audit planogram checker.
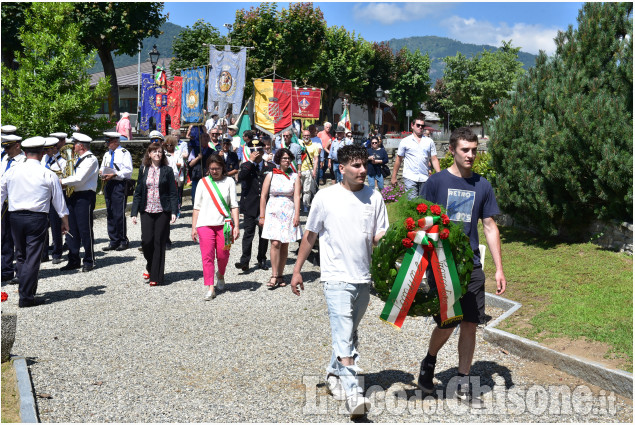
(109, 71)
(328, 106)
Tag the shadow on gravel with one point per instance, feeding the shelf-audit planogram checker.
(484, 371)
(179, 244)
(386, 378)
(248, 285)
(175, 277)
(66, 294)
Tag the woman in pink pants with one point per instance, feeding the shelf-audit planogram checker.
(215, 221)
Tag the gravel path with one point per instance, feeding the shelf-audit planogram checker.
(108, 348)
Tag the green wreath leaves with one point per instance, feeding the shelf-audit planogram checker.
(392, 249)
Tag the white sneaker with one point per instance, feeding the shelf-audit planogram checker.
(334, 386)
(220, 282)
(210, 295)
(357, 405)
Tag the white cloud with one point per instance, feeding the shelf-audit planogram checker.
(529, 37)
(390, 13)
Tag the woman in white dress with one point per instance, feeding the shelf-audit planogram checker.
(280, 215)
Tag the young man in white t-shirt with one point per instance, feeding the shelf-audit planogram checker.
(349, 218)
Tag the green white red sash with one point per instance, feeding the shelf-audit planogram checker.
(428, 249)
(223, 209)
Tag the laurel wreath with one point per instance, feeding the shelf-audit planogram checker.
(391, 249)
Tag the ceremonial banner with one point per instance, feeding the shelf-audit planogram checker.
(272, 105)
(172, 106)
(306, 103)
(193, 95)
(226, 80)
(149, 110)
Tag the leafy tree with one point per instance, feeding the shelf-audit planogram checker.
(410, 85)
(562, 144)
(117, 27)
(12, 20)
(288, 40)
(476, 84)
(188, 46)
(50, 90)
(342, 66)
(439, 92)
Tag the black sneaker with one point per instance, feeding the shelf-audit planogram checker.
(465, 395)
(426, 373)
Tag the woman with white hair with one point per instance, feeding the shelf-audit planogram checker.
(124, 128)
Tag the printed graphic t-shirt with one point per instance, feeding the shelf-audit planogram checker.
(466, 200)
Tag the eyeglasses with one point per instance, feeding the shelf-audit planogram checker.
(215, 134)
(374, 143)
(287, 135)
(306, 136)
(420, 125)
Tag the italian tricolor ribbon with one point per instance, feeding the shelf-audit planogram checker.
(427, 249)
(223, 209)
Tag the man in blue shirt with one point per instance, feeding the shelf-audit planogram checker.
(467, 197)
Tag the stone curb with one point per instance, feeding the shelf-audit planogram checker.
(28, 413)
(615, 380)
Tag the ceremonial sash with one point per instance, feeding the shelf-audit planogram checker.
(223, 209)
(428, 249)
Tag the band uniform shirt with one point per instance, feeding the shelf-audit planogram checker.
(7, 162)
(85, 177)
(54, 163)
(32, 187)
(122, 163)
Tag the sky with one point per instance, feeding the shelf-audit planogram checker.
(531, 26)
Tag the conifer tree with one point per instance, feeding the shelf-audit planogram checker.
(562, 144)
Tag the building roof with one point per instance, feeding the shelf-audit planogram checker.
(127, 75)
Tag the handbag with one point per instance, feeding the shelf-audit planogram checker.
(130, 186)
(385, 171)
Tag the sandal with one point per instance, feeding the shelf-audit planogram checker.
(273, 282)
(280, 281)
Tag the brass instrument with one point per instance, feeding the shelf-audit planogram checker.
(68, 153)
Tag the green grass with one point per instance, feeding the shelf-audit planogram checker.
(568, 290)
(100, 202)
(10, 396)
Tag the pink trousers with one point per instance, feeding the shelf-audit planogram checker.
(211, 241)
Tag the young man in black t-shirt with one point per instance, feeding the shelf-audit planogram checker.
(468, 197)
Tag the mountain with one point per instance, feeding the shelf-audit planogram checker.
(440, 47)
(164, 46)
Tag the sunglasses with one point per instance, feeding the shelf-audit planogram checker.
(420, 125)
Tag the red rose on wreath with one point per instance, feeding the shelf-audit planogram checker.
(422, 208)
(445, 233)
(435, 209)
(445, 219)
(5, 296)
(410, 223)
(406, 242)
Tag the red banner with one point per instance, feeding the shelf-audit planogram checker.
(272, 105)
(173, 106)
(306, 103)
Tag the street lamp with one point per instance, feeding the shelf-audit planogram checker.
(380, 95)
(154, 58)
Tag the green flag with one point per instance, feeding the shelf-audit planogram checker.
(244, 124)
